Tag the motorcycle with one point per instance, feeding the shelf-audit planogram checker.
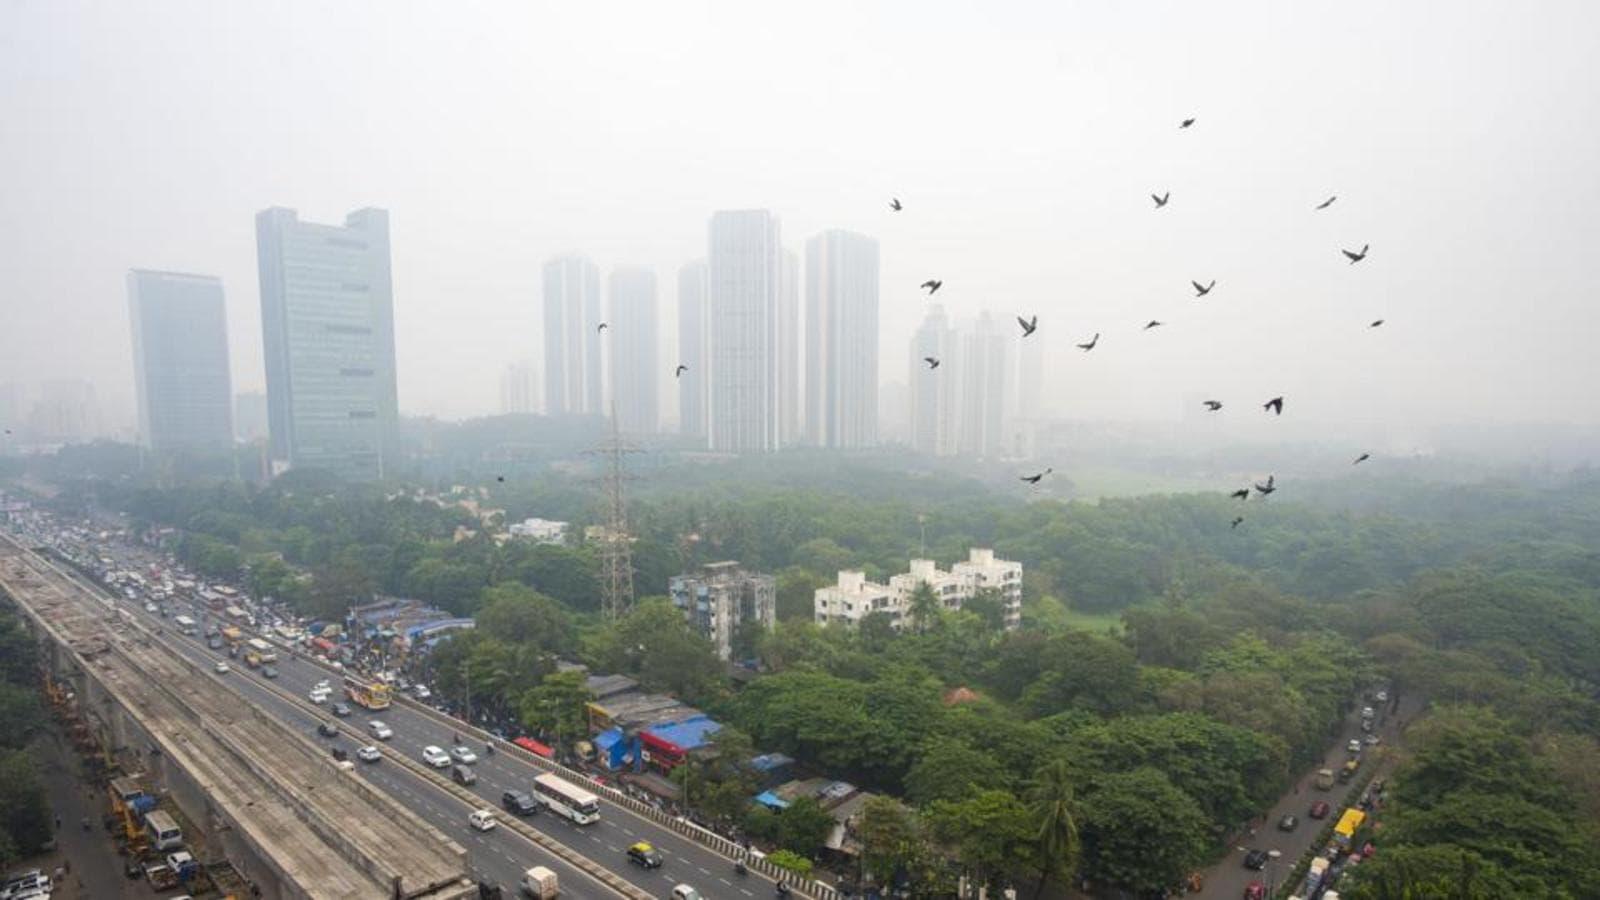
(740, 868)
(783, 889)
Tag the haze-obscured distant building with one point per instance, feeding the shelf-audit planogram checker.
(250, 416)
(519, 389)
(327, 325)
(693, 381)
(65, 410)
(745, 274)
(787, 336)
(179, 323)
(634, 334)
(853, 597)
(721, 597)
(572, 342)
(934, 392)
(841, 340)
(540, 531)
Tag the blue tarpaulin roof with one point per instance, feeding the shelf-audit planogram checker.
(686, 733)
(768, 798)
(605, 740)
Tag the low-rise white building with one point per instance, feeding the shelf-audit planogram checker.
(540, 531)
(854, 597)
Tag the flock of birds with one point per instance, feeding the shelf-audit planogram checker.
(1275, 405)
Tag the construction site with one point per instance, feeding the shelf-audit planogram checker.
(201, 790)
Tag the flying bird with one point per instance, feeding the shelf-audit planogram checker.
(678, 372)
(1028, 325)
(931, 361)
(894, 204)
(1186, 123)
(1328, 202)
(1356, 257)
(1034, 479)
(500, 478)
(1375, 323)
(601, 327)
(1200, 291)
(1267, 488)
(1151, 324)
(1161, 200)
(1275, 404)
(1092, 341)
(932, 286)
(1213, 405)
(1241, 494)
(1236, 521)
(1361, 459)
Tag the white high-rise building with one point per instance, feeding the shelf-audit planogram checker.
(635, 355)
(327, 324)
(787, 335)
(854, 597)
(519, 389)
(841, 340)
(744, 275)
(180, 360)
(693, 382)
(983, 373)
(934, 392)
(572, 342)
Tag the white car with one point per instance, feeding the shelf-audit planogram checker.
(482, 819)
(435, 757)
(1373, 739)
(463, 755)
(421, 692)
(221, 668)
(1383, 697)
(379, 730)
(1354, 746)
(369, 753)
(318, 695)
(323, 685)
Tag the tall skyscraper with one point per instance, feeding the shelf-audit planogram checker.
(634, 333)
(791, 412)
(934, 392)
(982, 366)
(250, 416)
(519, 389)
(327, 325)
(571, 340)
(841, 340)
(744, 273)
(180, 360)
(692, 384)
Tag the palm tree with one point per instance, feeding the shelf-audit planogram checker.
(1054, 807)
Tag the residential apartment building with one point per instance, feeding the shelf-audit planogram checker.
(635, 355)
(962, 406)
(744, 287)
(722, 597)
(693, 381)
(572, 341)
(519, 389)
(327, 324)
(180, 360)
(854, 597)
(841, 372)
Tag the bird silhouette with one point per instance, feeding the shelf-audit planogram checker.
(678, 372)
(1269, 487)
(933, 286)
(1092, 341)
(1186, 123)
(1361, 459)
(1356, 257)
(1375, 323)
(1275, 404)
(1213, 405)
(1034, 479)
(1028, 325)
(1236, 521)
(1151, 324)
(894, 204)
(1200, 291)
(1327, 203)
(1241, 494)
(500, 478)
(601, 327)
(931, 361)
(1161, 200)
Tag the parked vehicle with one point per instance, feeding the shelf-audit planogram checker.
(1319, 810)
(1325, 780)
(1288, 822)
(1256, 860)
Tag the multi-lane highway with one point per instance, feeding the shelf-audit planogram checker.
(500, 855)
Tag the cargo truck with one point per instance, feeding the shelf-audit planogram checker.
(540, 884)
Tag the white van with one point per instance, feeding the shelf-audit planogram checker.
(163, 831)
(482, 819)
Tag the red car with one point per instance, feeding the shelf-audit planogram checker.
(1319, 810)
(1255, 890)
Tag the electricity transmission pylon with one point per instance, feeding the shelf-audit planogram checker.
(616, 544)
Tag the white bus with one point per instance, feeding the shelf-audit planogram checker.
(263, 650)
(185, 624)
(571, 801)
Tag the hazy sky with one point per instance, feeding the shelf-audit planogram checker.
(1462, 139)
